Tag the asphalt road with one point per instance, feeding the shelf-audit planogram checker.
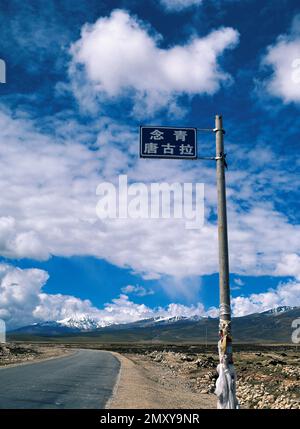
(84, 379)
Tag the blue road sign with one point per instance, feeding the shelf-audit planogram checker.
(168, 142)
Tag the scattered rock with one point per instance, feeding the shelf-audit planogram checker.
(270, 383)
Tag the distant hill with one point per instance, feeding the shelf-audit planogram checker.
(273, 326)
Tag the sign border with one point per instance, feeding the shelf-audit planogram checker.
(169, 156)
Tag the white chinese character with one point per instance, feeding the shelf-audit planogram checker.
(168, 149)
(157, 135)
(186, 149)
(180, 135)
(151, 148)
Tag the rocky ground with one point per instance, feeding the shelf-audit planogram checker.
(265, 380)
(14, 353)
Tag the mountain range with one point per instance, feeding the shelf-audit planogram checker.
(272, 326)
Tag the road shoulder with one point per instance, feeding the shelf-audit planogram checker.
(141, 387)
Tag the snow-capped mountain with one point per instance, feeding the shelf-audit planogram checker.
(172, 319)
(277, 310)
(86, 323)
(83, 323)
(75, 324)
(193, 326)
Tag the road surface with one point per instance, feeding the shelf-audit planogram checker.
(84, 379)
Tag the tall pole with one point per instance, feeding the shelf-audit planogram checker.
(226, 383)
(222, 223)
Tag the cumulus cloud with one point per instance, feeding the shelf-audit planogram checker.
(283, 57)
(177, 5)
(19, 293)
(48, 205)
(284, 295)
(23, 302)
(121, 57)
(137, 290)
(289, 266)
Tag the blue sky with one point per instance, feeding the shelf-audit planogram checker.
(81, 78)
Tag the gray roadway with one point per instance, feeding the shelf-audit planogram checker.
(84, 379)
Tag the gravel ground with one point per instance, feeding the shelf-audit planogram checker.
(145, 385)
(265, 380)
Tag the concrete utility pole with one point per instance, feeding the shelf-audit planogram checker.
(226, 383)
(222, 223)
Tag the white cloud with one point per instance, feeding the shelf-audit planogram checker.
(177, 5)
(239, 282)
(174, 310)
(48, 205)
(255, 248)
(59, 307)
(19, 293)
(137, 290)
(23, 302)
(289, 266)
(121, 57)
(284, 295)
(283, 57)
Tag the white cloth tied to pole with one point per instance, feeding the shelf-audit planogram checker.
(225, 387)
